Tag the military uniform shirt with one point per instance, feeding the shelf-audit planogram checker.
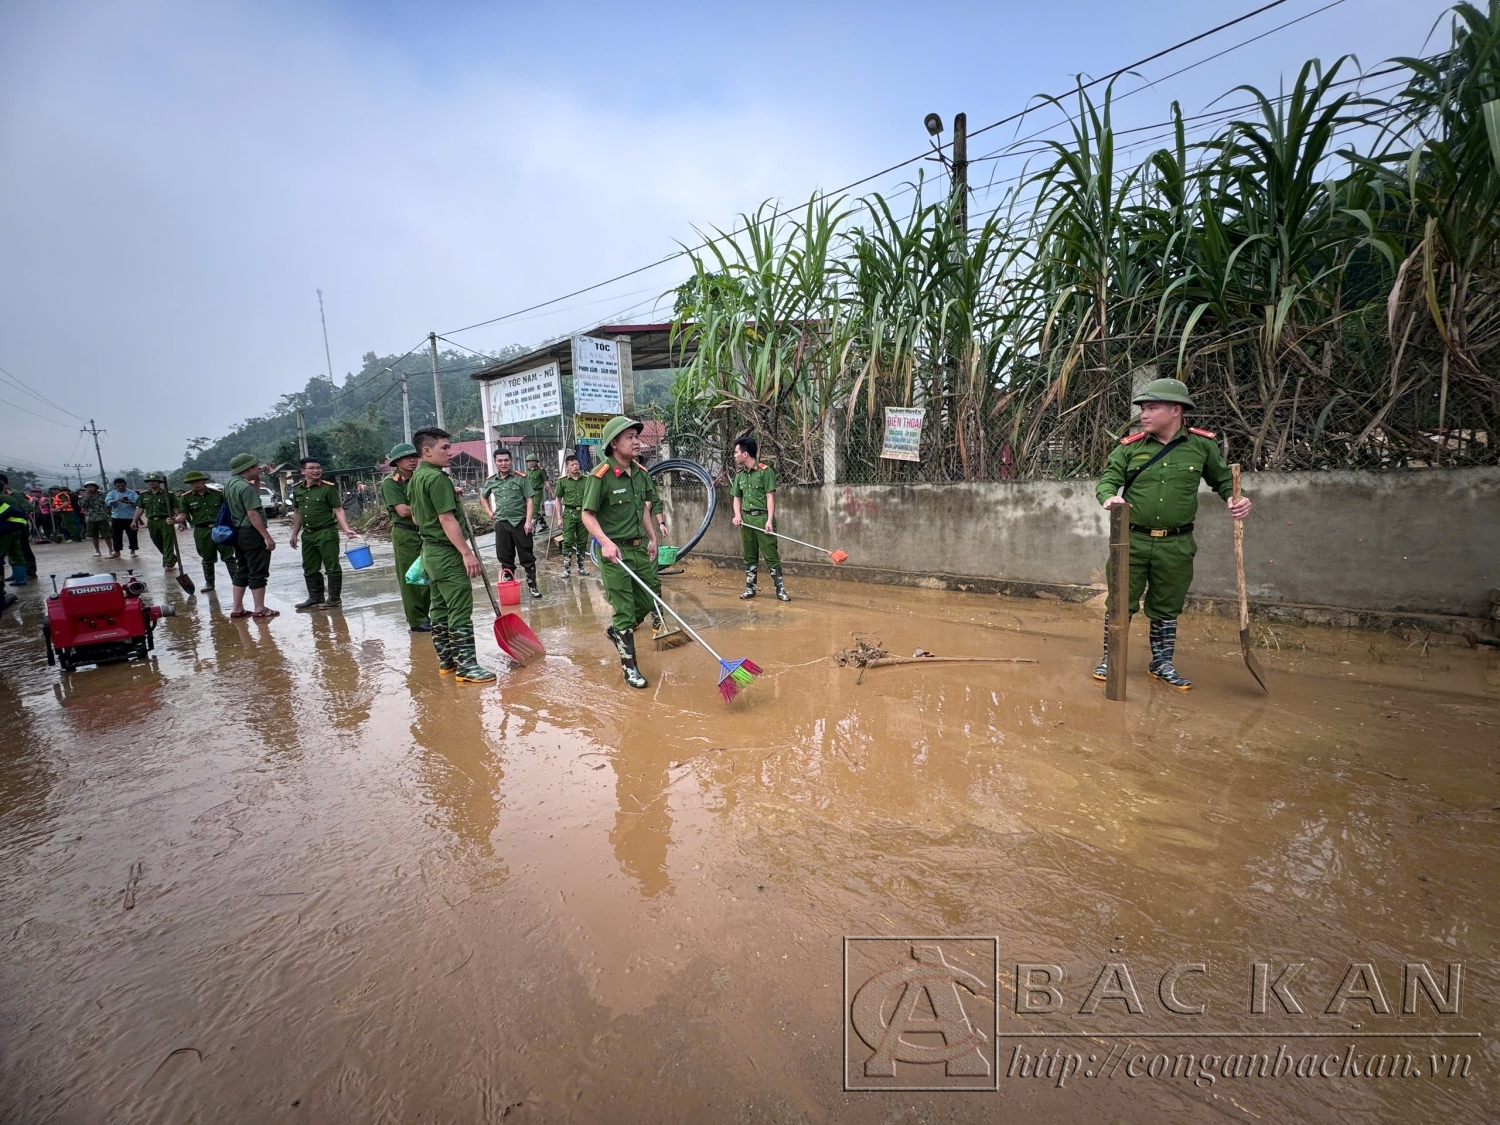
(570, 491)
(508, 496)
(537, 478)
(618, 498)
(157, 505)
(393, 491)
(316, 504)
(242, 498)
(430, 493)
(1166, 494)
(752, 486)
(201, 511)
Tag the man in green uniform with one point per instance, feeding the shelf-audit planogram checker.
(617, 512)
(450, 564)
(95, 512)
(198, 507)
(541, 489)
(570, 494)
(155, 512)
(406, 540)
(14, 529)
(18, 505)
(508, 499)
(1157, 471)
(754, 492)
(316, 509)
(252, 538)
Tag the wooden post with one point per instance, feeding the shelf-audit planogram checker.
(1119, 600)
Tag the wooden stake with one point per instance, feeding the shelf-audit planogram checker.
(1119, 600)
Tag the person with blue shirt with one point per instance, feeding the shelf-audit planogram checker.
(122, 500)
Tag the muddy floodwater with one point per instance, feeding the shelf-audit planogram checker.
(288, 873)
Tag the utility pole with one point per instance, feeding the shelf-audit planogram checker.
(405, 412)
(326, 353)
(79, 466)
(437, 391)
(95, 431)
(301, 435)
(960, 182)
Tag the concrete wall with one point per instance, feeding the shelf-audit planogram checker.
(1416, 542)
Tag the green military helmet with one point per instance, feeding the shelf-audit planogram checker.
(192, 475)
(156, 477)
(1165, 390)
(617, 426)
(242, 461)
(405, 449)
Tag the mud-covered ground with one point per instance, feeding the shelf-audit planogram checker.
(287, 872)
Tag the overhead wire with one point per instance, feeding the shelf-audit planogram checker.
(24, 387)
(779, 212)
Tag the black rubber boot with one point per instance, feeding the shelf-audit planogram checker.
(208, 576)
(531, 582)
(314, 593)
(335, 589)
(1163, 648)
(749, 590)
(625, 645)
(781, 594)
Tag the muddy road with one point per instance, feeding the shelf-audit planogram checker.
(288, 873)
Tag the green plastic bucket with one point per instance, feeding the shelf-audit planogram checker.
(666, 556)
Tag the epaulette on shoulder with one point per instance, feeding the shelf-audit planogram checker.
(1202, 433)
(602, 469)
(1132, 437)
(762, 465)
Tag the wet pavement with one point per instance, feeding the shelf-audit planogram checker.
(287, 872)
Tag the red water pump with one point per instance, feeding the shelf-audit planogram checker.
(97, 619)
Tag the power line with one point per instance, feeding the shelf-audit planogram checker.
(34, 414)
(866, 179)
(22, 386)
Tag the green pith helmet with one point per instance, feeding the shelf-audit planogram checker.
(1165, 390)
(617, 426)
(405, 449)
(156, 477)
(191, 476)
(242, 461)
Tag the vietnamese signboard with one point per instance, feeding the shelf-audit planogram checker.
(528, 396)
(596, 376)
(589, 428)
(903, 434)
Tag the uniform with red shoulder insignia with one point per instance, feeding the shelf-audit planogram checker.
(754, 493)
(1159, 479)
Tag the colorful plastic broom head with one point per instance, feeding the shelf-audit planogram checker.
(838, 557)
(735, 674)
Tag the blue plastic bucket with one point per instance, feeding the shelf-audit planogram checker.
(359, 556)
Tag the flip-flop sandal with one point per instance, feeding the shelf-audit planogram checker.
(240, 613)
(266, 614)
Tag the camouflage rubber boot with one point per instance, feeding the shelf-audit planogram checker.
(314, 593)
(1102, 671)
(335, 589)
(1163, 647)
(781, 594)
(470, 671)
(567, 566)
(625, 645)
(442, 643)
(582, 570)
(749, 591)
(531, 582)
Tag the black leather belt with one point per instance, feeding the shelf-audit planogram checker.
(573, 507)
(404, 526)
(1161, 532)
(755, 511)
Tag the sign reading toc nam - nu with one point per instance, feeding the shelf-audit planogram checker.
(525, 397)
(903, 434)
(596, 376)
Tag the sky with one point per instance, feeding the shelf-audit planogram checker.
(177, 181)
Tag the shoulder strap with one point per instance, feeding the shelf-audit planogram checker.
(1130, 478)
(602, 469)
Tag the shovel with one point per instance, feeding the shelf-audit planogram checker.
(837, 556)
(513, 636)
(1239, 577)
(182, 579)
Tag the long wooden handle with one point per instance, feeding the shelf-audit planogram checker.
(887, 661)
(474, 546)
(1239, 552)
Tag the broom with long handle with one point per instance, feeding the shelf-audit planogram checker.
(733, 674)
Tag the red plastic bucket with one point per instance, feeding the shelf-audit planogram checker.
(509, 590)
